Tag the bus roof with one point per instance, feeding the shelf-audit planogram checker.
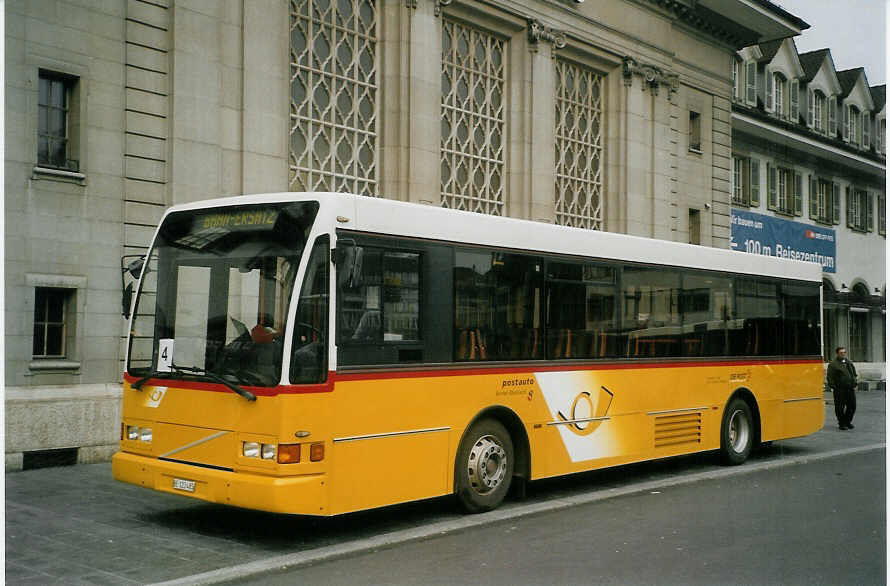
(376, 215)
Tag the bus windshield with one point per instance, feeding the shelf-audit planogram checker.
(215, 292)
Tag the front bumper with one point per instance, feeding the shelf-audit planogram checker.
(303, 495)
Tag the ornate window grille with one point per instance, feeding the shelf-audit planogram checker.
(473, 125)
(579, 146)
(333, 104)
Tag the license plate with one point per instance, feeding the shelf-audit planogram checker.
(186, 485)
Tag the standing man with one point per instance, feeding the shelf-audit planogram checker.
(842, 380)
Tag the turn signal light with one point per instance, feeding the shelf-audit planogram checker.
(288, 453)
(316, 452)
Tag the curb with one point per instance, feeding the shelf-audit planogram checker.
(327, 553)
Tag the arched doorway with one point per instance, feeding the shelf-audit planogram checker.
(859, 301)
(829, 320)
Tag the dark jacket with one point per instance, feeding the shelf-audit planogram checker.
(841, 374)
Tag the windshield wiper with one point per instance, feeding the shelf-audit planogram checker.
(174, 369)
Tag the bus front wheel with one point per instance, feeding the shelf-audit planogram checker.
(737, 432)
(484, 466)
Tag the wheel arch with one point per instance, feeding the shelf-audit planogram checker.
(518, 435)
(748, 397)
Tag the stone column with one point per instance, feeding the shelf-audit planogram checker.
(266, 116)
(721, 168)
(423, 102)
(195, 95)
(540, 170)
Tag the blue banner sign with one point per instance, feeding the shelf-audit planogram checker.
(769, 236)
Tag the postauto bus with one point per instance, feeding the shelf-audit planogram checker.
(320, 353)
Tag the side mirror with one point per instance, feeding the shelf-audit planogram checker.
(134, 268)
(348, 260)
(127, 300)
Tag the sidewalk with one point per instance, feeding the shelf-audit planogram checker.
(78, 526)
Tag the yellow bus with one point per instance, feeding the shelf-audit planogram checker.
(322, 353)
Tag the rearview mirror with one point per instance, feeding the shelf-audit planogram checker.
(348, 260)
(134, 268)
(127, 300)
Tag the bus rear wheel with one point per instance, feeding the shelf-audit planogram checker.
(484, 466)
(737, 433)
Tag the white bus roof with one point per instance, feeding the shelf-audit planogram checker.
(375, 215)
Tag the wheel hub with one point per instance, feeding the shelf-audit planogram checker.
(487, 465)
(738, 431)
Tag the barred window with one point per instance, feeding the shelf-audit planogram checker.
(333, 104)
(473, 120)
(579, 147)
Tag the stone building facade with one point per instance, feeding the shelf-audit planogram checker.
(607, 115)
(809, 153)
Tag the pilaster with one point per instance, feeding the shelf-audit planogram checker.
(424, 98)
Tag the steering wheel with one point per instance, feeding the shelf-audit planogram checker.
(311, 328)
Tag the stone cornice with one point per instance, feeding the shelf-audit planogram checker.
(439, 5)
(539, 32)
(692, 16)
(653, 76)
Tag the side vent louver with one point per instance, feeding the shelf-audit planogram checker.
(673, 430)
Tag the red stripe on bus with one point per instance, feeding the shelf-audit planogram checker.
(333, 377)
(325, 387)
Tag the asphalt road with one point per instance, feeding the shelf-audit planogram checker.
(76, 525)
(816, 523)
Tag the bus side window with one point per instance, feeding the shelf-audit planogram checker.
(497, 306)
(381, 302)
(309, 360)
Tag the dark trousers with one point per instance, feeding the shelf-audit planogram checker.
(844, 405)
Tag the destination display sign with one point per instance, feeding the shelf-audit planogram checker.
(252, 219)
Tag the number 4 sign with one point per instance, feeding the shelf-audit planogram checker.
(165, 354)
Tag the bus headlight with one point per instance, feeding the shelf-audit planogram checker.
(250, 449)
(145, 434)
(268, 452)
(132, 432)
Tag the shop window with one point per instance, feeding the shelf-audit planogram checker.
(859, 346)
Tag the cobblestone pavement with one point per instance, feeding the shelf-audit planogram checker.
(76, 525)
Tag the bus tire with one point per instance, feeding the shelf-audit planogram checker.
(737, 433)
(484, 466)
